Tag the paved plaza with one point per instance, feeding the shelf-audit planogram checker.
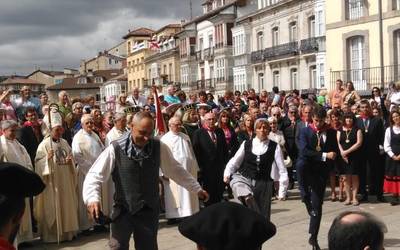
(289, 216)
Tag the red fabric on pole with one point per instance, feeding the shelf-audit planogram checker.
(160, 123)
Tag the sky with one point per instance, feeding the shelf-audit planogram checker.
(54, 34)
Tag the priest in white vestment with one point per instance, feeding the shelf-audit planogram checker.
(12, 151)
(86, 147)
(56, 209)
(179, 202)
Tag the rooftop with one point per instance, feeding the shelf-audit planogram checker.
(20, 80)
(139, 32)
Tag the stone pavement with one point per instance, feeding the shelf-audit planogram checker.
(289, 216)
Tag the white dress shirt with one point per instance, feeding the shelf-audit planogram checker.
(278, 171)
(388, 135)
(104, 166)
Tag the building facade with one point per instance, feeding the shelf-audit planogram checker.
(138, 49)
(286, 50)
(15, 83)
(111, 90)
(163, 66)
(354, 28)
(103, 61)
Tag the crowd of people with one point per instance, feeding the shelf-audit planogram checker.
(243, 145)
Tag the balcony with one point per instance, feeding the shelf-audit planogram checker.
(313, 45)
(206, 84)
(366, 78)
(281, 51)
(200, 55)
(209, 53)
(257, 56)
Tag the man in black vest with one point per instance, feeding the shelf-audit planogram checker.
(373, 136)
(317, 150)
(133, 162)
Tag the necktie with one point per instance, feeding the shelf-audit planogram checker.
(213, 138)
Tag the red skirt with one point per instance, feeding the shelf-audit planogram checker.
(392, 185)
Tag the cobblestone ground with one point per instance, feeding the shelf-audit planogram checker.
(289, 216)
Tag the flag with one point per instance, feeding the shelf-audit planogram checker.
(154, 45)
(160, 123)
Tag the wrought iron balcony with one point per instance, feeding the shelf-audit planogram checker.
(313, 44)
(200, 55)
(283, 50)
(257, 56)
(209, 53)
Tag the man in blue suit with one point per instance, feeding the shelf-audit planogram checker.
(317, 151)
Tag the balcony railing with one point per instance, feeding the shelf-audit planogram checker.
(200, 55)
(257, 56)
(367, 78)
(313, 44)
(287, 49)
(209, 53)
(206, 84)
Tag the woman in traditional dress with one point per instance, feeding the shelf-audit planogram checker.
(349, 142)
(392, 149)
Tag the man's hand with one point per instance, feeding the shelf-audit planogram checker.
(227, 179)
(331, 155)
(94, 209)
(203, 195)
(68, 159)
(50, 154)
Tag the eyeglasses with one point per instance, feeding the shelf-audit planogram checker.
(87, 123)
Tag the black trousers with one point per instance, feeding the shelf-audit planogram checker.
(214, 185)
(314, 191)
(143, 225)
(372, 172)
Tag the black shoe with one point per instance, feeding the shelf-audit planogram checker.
(364, 198)
(380, 198)
(394, 201)
(314, 243)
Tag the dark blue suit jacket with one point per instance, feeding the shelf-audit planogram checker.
(309, 157)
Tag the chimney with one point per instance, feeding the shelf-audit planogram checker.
(183, 21)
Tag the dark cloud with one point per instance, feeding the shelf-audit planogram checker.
(59, 33)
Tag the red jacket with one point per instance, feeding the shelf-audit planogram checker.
(5, 245)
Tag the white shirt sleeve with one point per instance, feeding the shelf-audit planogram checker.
(99, 173)
(386, 143)
(234, 163)
(172, 169)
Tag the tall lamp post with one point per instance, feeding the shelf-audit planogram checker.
(381, 44)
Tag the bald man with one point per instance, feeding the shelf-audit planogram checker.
(136, 99)
(356, 230)
(211, 152)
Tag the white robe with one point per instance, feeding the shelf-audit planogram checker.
(85, 149)
(178, 201)
(56, 209)
(13, 151)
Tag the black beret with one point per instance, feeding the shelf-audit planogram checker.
(17, 181)
(227, 226)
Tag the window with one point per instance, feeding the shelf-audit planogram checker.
(293, 32)
(313, 76)
(210, 41)
(321, 67)
(275, 36)
(109, 61)
(356, 59)
(293, 78)
(276, 78)
(260, 40)
(129, 47)
(82, 80)
(170, 72)
(165, 69)
(261, 81)
(320, 23)
(355, 9)
(98, 79)
(201, 44)
(58, 81)
(311, 26)
(396, 49)
(396, 4)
